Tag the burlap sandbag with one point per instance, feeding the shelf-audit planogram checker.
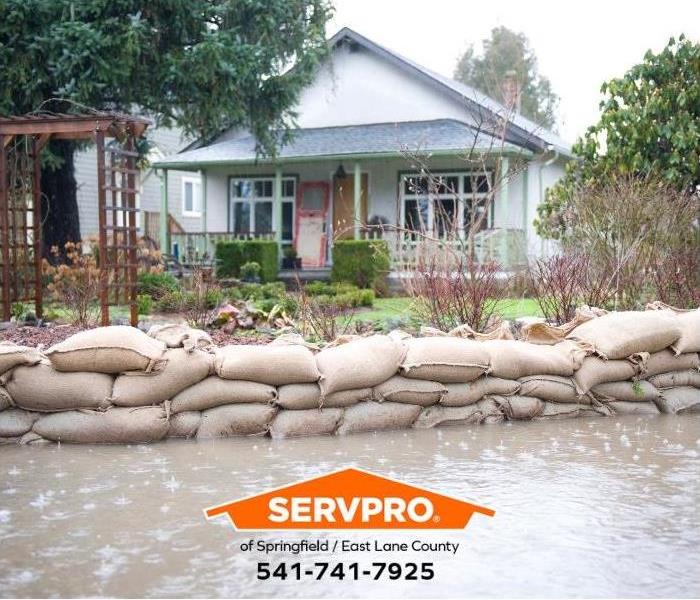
(375, 416)
(409, 391)
(361, 363)
(464, 394)
(115, 426)
(15, 422)
(563, 410)
(272, 364)
(519, 407)
(629, 391)
(553, 388)
(432, 416)
(184, 424)
(214, 391)
(183, 369)
(622, 407)
(181, 336)
(304, 396)
(595, 371)
(676, 401)
(12, 355)
(236, 419)
(544, 333)
(620, 334)
(688, 377)
(5, 399)
(666, 361)
(490, 411)
(516, 359)
(314, 421)
(32, 438)
(445, 359)
(112, 349)
(689, 323)
(42, 388)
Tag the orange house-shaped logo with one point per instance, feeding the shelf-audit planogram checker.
(348, 499)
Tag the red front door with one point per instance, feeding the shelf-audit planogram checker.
(312, 210)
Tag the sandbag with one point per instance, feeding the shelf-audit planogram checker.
(181, 336)
(688, 377)
(12, 355)
(629, 391)
(235, 419)
(304, 396)
(272, 364)
(410, 391)
(689, 324)
(432, 416)
(463, 394)
(519, 407)
(32, 438)
(666, 361)
(595, 371)
(675, 401)
(15, 422)
(544, 333)
(43, 388)
(115, 426)
(552, 388)
(445, 359)
(314, 421)
(184, 424)
(516, 359)
(182, 369)
(622, 407)
(566, 410)
(620, 334)
(112, 349)
(490, 411)
(5, 399)
(375, 416)
(214, 391)
(361, 363)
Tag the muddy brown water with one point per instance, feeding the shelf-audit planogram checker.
(587, 507)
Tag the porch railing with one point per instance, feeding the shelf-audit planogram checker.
(508, 247)
(195, 247)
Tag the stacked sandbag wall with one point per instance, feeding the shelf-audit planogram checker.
(120, 385)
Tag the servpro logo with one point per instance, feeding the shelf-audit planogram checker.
(348, 499)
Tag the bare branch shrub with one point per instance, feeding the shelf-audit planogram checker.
(675, 277)
(321, 317)
(199, 304)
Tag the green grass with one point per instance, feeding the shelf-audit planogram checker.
(385, 309)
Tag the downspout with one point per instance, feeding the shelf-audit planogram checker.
(543, 164)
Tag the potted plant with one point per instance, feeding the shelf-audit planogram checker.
(290, 260)
(250, 272)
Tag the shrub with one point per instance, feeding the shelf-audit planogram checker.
(231, 256)
(364, 263)
(144, 302)
(171, 301)
(250, 271)
(156, 284)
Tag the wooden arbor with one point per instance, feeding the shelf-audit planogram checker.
(22, 139)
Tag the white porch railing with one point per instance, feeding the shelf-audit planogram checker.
(195, 247)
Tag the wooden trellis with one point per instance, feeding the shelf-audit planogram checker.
(21, 142)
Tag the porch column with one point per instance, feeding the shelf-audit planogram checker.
(357, 199)
(164, 229)
(277, 205)
(203, 208)
(502, 213)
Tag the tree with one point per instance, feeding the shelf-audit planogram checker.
(649, 127)
(503, 52)
(203, 65)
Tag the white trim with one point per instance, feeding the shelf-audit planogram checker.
(196, 182)
(253, 200)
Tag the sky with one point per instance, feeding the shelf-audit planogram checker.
(579, 45)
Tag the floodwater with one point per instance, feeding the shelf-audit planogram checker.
(586, 507)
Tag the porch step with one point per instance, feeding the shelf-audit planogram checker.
(289, 276)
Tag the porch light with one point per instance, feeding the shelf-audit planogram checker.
(340, 172)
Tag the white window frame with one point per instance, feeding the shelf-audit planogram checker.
(233, 199)
(460, 195)
(196, 183)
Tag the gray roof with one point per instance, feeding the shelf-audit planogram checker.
(525, 132)
(443, 136)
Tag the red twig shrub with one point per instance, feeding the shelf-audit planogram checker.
(675, 277)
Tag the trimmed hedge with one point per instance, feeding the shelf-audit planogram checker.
(231, 255)
(364, 263)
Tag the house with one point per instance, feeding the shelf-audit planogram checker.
(375, 131)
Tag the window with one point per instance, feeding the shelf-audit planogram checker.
(444, 204)
(191, 197)
(252, 206)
